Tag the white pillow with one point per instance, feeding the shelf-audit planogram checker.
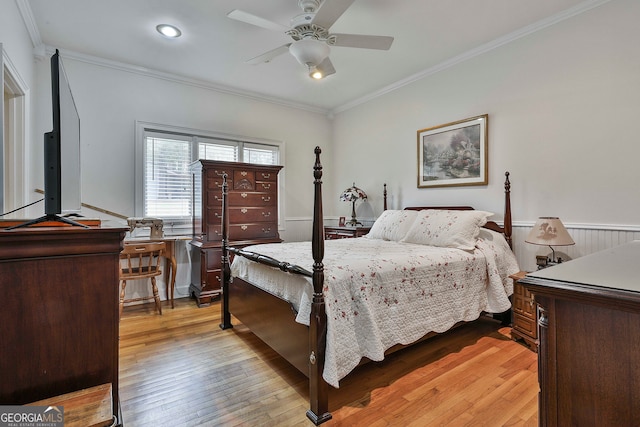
(392, 225)
(447, 228)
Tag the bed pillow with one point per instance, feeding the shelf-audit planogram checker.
(392, 225)
(447, 228)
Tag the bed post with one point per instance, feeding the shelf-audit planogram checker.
(384, 195)
(318, 388)
(225, 315)
(507, 210)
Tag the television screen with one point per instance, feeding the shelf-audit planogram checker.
(62, 147)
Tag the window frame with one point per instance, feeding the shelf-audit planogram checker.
(178, 225)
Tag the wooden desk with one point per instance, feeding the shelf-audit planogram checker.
(589, 334)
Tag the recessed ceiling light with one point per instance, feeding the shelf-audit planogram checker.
(169, 31)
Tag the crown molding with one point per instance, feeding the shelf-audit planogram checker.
(29, 22)
(494, 44)
(40, 50)
(200, 84)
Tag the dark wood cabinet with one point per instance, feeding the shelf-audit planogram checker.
(524, 322)
(253, 216)
(589, 326)
(60, 312)
(344, 232)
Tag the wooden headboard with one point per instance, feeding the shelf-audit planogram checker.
(506, 230)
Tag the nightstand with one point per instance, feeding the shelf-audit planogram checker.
(525, 319)
(331, 233)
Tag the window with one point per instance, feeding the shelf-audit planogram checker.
(163, 182)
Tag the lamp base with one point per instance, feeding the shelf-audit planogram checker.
(353, 223)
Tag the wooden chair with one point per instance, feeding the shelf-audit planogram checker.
(141, 261)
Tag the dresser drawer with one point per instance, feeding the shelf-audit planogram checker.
(243, 215)
(525, 325)
(523, 302)
(244, 180)
(245, 231)
(243, 198)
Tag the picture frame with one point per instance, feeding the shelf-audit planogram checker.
(454, 154)
(341, 221)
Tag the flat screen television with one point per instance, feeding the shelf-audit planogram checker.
(62, 191)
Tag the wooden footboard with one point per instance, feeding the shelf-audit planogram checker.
(252, 306)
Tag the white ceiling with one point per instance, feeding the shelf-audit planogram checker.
(429, 34)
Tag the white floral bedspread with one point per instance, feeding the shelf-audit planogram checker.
(381, 293)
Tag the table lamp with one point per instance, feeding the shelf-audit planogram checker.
(352, 194)
(549, 231)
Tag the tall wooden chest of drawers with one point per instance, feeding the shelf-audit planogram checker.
(253, 216)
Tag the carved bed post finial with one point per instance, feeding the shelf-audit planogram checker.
(507, 210)
(226, 269)
(318, 388)
(384, 195)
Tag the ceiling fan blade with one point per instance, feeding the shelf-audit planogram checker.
(248, 18)
(363, 42)
(326, 67)
(268, 56)
(329, 12)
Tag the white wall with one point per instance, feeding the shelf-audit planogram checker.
(110, 100)
(562, 106)
(17, 59)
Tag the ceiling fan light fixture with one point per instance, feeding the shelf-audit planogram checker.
(309, 52)
(316, 74)
(169, 31)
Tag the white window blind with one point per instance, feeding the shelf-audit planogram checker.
(166, 176)
(167, 179)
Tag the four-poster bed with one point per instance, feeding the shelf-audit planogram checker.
(349, 303)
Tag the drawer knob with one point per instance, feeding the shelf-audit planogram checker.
(244, 227)
(244, 210)
(266, 198)
(243, 195)
(266, 186)
(266, 175)
(266, 230)
(266, 214)
(243, 173)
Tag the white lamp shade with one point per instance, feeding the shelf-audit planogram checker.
(309, 52)
(549, 231)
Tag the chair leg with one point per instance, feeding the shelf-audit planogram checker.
(156, 297)
(122, 288)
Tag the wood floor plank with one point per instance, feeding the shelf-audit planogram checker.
(181, 369)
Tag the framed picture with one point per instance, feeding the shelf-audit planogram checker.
(341, 221)
(454, 154)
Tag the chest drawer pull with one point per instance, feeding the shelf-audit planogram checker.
(244, 227)
(266, 186)
(244, 210)
(266, 198)
(266, 230)
(243, 195)
(266, 175)
(243, 173)
(266, 214)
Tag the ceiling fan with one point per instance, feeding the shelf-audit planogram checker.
(311, 37)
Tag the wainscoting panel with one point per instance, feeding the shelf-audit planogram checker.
(589, 239)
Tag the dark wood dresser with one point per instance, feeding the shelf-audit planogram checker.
(253, 216)
(589, 353)
(60, 312)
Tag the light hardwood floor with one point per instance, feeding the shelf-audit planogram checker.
(181, 369)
